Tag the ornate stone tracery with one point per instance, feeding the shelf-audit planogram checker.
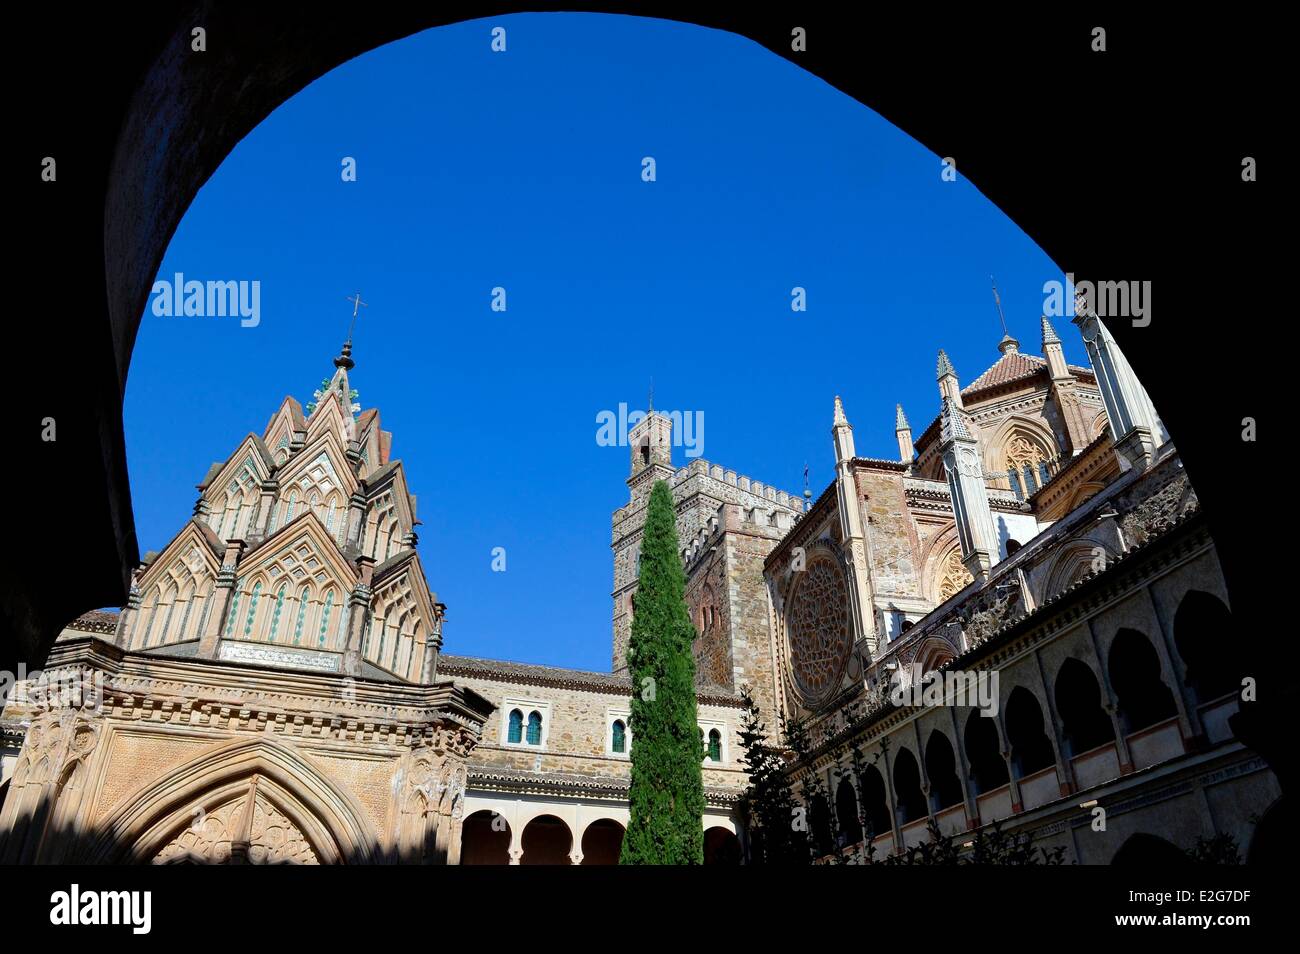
(818, 627)
(953, 575)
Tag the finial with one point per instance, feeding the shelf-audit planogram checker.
(900, 420)
(1007, 343)
(807, 494)
(839, 411)
(652, 395)
(344, 360)
(945, 366)
(356, 303)
(1049, 333)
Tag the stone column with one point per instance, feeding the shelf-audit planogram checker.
(1134, 426)
(359, 603)
(861, 611)
(969, 493)
(265, 508)
(356, 523)
(222, 592)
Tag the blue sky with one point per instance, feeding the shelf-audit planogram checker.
(522, 170)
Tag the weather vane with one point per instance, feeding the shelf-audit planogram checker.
(356, 303)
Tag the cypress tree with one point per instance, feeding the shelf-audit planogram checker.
(667, 790)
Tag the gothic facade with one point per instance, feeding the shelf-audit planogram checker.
(275, 691)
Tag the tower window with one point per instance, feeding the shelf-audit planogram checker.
(534, 728)
(620, 736)
(715, 746)
(516, 733)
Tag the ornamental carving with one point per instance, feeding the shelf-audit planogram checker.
(953, 576)
(233, 835)
(818, 627)
(1158, 512)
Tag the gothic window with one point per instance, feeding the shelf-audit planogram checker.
(620, 736)
(534, 728)
(516, 733)
(275, 614)
(325, 616)
(252, 607)
(153, 608)
(1027, 465)
(190, 596)
(234, 608)
(170, 599)
(302, 615)
(953, 575)
(818, 626)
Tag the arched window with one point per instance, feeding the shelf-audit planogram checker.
(941, 767)
(275, 613)
(234, 608)
(984, 752)
(715, 746)
(907, 787)
(302, 615)
(620, 736)
(515, 733)
(153, 614)
(534, 728)
(1084, 722)
(846, 813)
(325, 616)
(1202, 628)
(875, 802)
(1027, 465)
(252, 607)
(1012, 546)
(1031, 750)
(1134, 670)
(819, 820)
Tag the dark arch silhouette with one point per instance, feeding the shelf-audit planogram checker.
(157, 122)
(819, 826)
(547, 840)
(1031, 750)
(1084, 722)
(485, 839)
(1134, 670)
(847, 813)
(907, 787)
(1149, 851)
(1270, 842)
(988, 769)
(721, 847)
(941, 769)
(875, 802)
(1203, 636)
(602, 842)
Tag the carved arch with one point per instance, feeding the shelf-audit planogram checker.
(145, 822)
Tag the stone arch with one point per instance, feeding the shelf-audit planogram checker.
(933, 653)
(1019, 440)
(721, 846)
(1031, 749)
(484, 840)
(1137, 678)
(907, 787)
(330, 820)
(988, 769)
(546, 839)
(941, 770)
(937, 563)
(848, 813)
(1084, 722)
(602, 842)
(1073, 564)
(1202, 627)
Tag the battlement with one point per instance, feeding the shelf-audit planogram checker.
(755, 521)
(704, 468)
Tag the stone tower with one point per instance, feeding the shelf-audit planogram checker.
(726, 526)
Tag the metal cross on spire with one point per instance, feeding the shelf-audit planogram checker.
(998, 301)
(356, 303)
